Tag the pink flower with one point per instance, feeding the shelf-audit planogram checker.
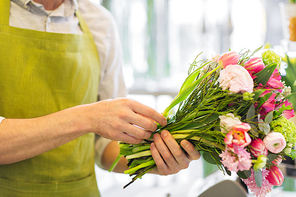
(288, 113)
(228, 58)
(258, 148)
(251, 183)
(254, 65)
(228, 121)
(275, 80)
(275, 176)
(237, 160)
(277, 161)
(236, 78)
(269, 105)
(275, 142)
(238, 136)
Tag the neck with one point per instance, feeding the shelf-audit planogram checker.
(50, 4)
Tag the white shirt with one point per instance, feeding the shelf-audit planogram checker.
(30, 15)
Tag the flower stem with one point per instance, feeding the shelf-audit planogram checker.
(196, 138)
(143, 165)
(115, 163)
(140, 154)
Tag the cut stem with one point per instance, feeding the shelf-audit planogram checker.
(143, 165)
(140, 154)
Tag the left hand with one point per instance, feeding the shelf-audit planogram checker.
(169, 156)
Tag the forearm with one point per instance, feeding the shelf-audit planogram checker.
(25, 138)
(110, 154)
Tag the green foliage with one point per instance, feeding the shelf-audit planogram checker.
(264, 75)
(244, 174)
(258, 177)
(290, 78)
(285, 127)
(270, 57)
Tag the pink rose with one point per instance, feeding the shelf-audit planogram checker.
(254, 65)
(238, 136)
(258, 148)
(275, 142)
(227, 122)
(228, 58)
(275, 176)
(236, 78)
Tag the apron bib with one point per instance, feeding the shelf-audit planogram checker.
(42, 73)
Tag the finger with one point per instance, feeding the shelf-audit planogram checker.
(175, 149)
(161, 165)
(165, 153)
(149, 113)
(137, 132)
(189, 148)
(128, 139)
(143, 122)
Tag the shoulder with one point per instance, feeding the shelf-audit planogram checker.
(96, 16)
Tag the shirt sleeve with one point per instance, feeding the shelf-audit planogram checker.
(106, 37)
(1, 118)
(100, 146)
(105, 33)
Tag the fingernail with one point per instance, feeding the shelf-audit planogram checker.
(164, 122)
(185, 143)
(155, 136)
(152, 145)
(164, 133)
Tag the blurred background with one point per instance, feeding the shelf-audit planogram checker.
(160, 38)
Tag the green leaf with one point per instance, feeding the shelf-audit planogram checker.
(257, 93)
(244, 174)
(186, 92)
(258, 177)
(202, 122)
(209, 158)
(227, 171)
(264, 99)
(251, 112)
(269, 117)
(264, 75)
(292, 154)
(271, 157)
(254, 130)
(265, 127)
(190, 79)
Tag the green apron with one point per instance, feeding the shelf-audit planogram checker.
(42, 73)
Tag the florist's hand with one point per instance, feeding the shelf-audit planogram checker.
(169, 156)
(123, 120)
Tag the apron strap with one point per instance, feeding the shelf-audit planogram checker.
(82, 23)
(4, 12)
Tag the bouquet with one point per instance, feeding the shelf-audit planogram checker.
(234, 109)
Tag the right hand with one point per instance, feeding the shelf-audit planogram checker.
(123, 120)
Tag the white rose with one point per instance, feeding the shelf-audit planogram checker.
(227, 122)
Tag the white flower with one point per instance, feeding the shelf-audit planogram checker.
(228, 121)
(236, 78)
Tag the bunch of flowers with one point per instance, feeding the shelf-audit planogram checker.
(235, 110)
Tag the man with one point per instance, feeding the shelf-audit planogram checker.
(54, 54)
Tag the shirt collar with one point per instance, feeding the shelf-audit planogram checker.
(67, 8)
